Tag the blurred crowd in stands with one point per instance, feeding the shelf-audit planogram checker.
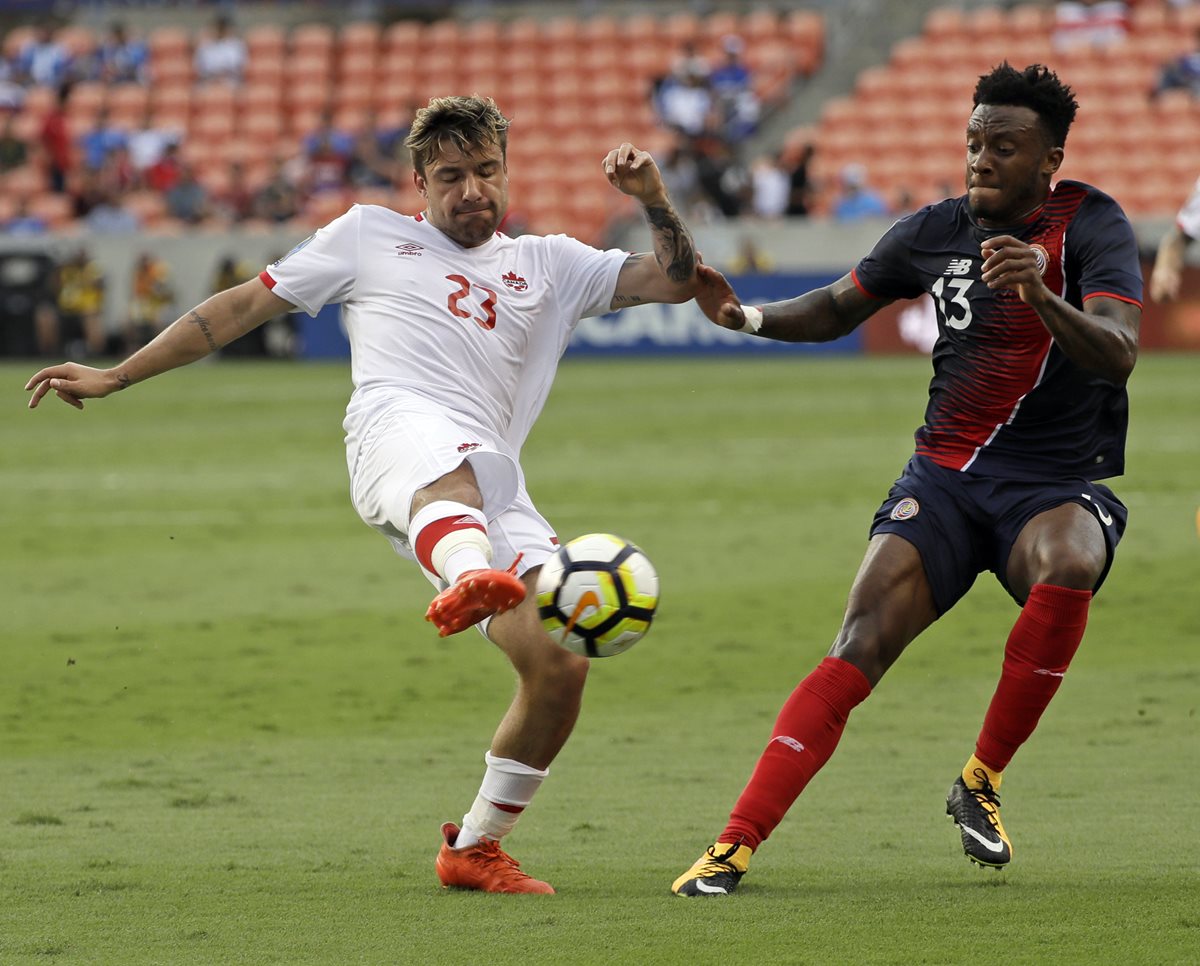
(121, 174)
(712, 109)
(58, 305)
(107, 170)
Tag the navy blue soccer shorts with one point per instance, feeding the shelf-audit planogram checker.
(963, 525)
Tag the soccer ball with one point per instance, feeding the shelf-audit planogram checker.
(597, 595)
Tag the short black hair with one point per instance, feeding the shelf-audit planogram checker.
(1035, 87)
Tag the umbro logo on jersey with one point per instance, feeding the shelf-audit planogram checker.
(514, 281)
(410, 249)
(467, 447)
(958, 266)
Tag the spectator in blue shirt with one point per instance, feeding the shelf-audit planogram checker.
(43, 60)
(101, 141)
(23, 222)
(121, 58)
(732, 87)
(857, 200)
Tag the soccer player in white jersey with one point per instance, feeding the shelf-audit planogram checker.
(455, 331)
(1168, 263)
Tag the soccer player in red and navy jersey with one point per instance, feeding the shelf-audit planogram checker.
(1038, 292)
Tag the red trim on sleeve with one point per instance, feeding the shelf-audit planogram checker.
(862, 288)
(266, 279)
(1112, 295)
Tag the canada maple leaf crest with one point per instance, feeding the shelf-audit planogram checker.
(514, 281)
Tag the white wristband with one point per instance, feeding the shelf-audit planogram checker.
(754, 319)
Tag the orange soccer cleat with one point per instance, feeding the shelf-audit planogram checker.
(483, 866)
(477, 594)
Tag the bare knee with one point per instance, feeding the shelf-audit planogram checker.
(860, 642)
(1064, 547)
(457, 486)
(1077, 568)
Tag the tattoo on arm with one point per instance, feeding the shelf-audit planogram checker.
(673, 247)
(628, 299)
(197, 319)
(123, 381)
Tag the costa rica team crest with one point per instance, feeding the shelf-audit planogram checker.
(1042, 257)
(906, 509)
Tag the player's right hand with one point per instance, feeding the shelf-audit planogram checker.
(72, 383)
(1164, 282)
(716, 298)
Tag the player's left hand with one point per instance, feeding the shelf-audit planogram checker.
(634, 172)
(1009, 263)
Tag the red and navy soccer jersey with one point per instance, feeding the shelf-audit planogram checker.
(1004, 400)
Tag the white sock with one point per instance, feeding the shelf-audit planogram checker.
(508, 787)
(449, 539)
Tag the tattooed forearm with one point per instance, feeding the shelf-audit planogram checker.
(673, 247)
(197, 319)
(628, 300)
(123, 381)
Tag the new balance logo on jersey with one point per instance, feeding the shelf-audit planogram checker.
(410, 249)
(468, 447)
(514, 281)
(958, 266)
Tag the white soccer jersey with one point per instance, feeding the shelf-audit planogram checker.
(1188, 218)
(478, 331)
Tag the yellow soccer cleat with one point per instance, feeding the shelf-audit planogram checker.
(716, 873)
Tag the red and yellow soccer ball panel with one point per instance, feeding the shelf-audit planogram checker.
(597, 595)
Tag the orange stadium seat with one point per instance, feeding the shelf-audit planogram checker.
(264, 123)
(128, 104)
(57, 210)
(16, 38)
(260, 96)
(26, 181)
(360, 35)
(521, 36)
(444, 36)
(1028, 19)
(942, 22)
(312, 39)
(358, 97)
(87, 97)
(561, 33)
(265, 40)
(150, 207)
(600, 30)
(169, 43)
(39, 101)
(403, 35)
(682, 27)
(1146, 18)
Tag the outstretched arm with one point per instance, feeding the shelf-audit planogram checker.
(670, 276)
(215, 322)
(1168, 265)
(1103, 339)
(821, 315)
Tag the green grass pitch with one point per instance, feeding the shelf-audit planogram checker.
(228, 736)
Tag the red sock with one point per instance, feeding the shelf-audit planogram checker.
(1039, 649)
(808, 728)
